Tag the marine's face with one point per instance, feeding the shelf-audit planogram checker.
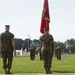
(7, 28)
(46, 31)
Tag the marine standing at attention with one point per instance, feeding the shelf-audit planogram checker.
(7, 45)
(47, 48)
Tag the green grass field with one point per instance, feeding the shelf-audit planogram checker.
(23, 64)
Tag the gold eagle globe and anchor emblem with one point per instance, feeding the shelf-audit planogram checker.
(43, 13)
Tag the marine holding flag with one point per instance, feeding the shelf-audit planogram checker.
(46, 40)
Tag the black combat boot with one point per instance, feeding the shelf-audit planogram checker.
(6, 72)
(9, 72)
(46, 71)
(49, 71)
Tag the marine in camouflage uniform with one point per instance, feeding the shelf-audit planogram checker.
(32, 52)
(7, 47)
(47, 48)
(40, 54)
(58, 52)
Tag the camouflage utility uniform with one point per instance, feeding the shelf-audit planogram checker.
(32, 53)
(7, 49)
(58, 52)
(47, 47)
(40, 54)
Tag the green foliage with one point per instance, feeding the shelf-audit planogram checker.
(65, 46)
(23, 64)
(70, 45)
(70, 41)
(18, 43)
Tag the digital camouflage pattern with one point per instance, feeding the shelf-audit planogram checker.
(40, 53)
(6, 40)
(58, 53)
(32, 53)
(7, 49)
(8, 55)
(47, 47)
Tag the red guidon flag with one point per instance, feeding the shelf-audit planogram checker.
(45, 20)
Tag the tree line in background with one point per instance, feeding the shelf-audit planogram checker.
(67, 47)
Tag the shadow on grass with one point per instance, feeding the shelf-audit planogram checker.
(64, 71)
